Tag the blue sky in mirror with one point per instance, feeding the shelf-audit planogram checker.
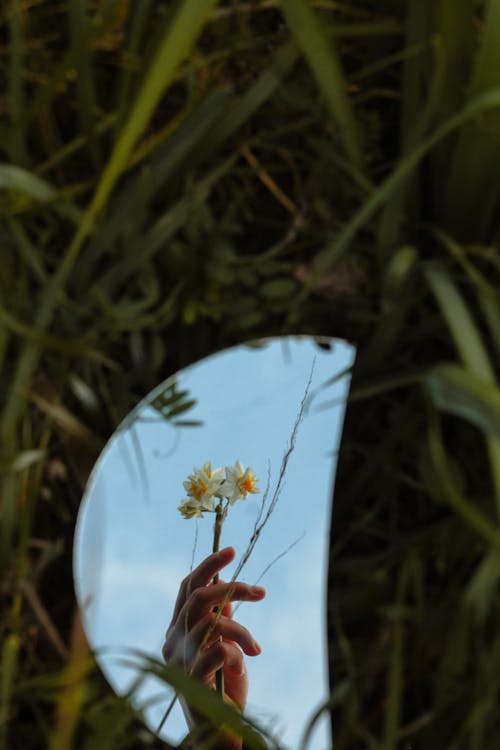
(133, 548)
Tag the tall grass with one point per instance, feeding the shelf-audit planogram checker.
(172, 175)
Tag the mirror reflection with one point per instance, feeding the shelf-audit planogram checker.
(133, 547)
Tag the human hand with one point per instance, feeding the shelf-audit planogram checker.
(202, 641)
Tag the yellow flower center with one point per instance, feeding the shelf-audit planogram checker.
(247, 483)
(197, 490)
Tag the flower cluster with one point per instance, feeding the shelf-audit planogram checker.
(203, 486)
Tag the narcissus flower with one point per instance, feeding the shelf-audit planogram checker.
(203, 484)
(190, 508)
(239, 483)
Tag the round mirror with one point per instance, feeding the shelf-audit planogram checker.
(133, 547)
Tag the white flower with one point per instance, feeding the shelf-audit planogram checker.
(190, 508)
(203, 484)
(239, 482)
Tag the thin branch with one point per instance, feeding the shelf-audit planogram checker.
(43, 618)
(259, 525)
(270, 565)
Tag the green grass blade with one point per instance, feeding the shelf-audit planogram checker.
(458, 391)
(44, 95)
(481, 590)
(471, 348)
(359, 30)
(487, 294)
(202, 120)
(463, 329)
(454, 24)
(9, 663)
(384, 63)
(454, 659)
(131, 58)
(69, 149)
(167, 160)
(200, 697)
(245, 105)
(454, 28)
(334, 251)
(494, 456)
(27, 188)
(81, 54)
(395, 677)
(472, 189)
(29, 253)
(445, 487)
(487, 69)
(21, 180)
(16, 96)
(324, 62)
(164, 229)
(489, 302)
(176, 43)
(414, 69)
(69, 347)
(397, 299)
(181, 34)
(25, 459)
(405, 204)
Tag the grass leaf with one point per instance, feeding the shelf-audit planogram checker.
(9, 663)
(334, 251)
(459, 391)
(175, 45)
(79, 23)
(470, 346)
(463, 329)
(201, 698)
(447, 486)
(472, 192)
(324, 62)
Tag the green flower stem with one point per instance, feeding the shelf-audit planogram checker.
(219, 520)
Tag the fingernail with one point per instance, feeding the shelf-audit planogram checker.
(257, 647)
(258, 590)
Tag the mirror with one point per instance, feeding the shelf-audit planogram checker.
(133, 547)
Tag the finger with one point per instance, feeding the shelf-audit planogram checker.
(204, 599)
(227, 609)
(202, 575)
(216, 657)
(212, 627)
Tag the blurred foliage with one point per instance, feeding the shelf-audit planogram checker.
(180, 177)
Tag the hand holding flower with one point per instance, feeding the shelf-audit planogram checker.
(203, 642)
(202, 636)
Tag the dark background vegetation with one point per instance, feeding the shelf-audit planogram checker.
(179, 177)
